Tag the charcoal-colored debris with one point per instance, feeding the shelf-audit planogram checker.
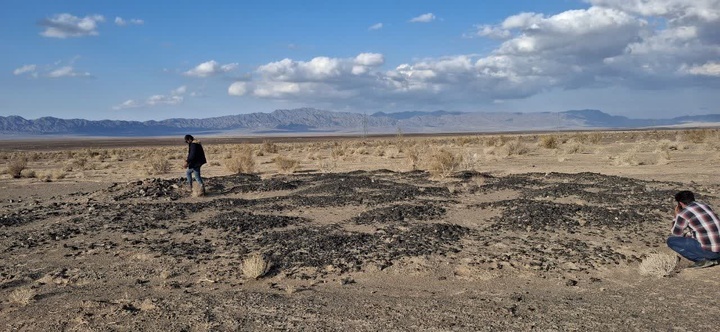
(14, 219)
(153, 189)
(549, 216)
(402, 213)
(246, 222)
(193, 249)
(349, 251)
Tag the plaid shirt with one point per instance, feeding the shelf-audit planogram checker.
(703, 223)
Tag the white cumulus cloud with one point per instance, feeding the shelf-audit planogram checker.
(211, 68)
(67, 71)
(175, 97)
(424, 18)
(708, 69)
(123, 22)
(634, 44)
(26, 69)
(66, 25)
(376, 26)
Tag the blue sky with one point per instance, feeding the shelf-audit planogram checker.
(144, 60)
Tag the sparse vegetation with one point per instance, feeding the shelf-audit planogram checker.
(254, 266)
(285, 164)
(516, 147)
(16, 166)
(159, 165)
(696, 136)
(243, 161)
(549, 141)
(22, 296)
(413, 156)
(658, 265)
(269, 147)
(443, 163)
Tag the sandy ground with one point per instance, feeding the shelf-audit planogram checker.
(549, 239)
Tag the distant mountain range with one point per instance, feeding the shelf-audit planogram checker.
(313, 121)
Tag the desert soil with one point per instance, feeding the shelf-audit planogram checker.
(539, 241)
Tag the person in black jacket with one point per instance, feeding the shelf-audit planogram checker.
(195, 159)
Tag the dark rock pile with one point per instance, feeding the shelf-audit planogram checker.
(553, 220)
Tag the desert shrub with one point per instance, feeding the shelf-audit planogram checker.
(443, 163)
(595, 138)
(159, 165)
(16, 166)
(243, 161)
(338, 151)
(413, 156)
(658, 265)
(28, 173)
(470, 161)
(574, 148)
(516, 147)
(695, 136)
(549, 141)
(285, 164)
(327, 165)
(466, 140)
(22, 296)
(254, 266)
(269, 147)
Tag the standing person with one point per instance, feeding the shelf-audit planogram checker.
(695, 233)
(195, 159)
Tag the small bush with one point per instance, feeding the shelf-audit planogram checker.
(254, 266)
(658, 265)
(16, 166)
(595, 138)
(269, 147)
(242, 162)
(22, 296)
(516, 147)
(159, 165)
(28, 173)
(413, 156)
(286, 164)
(443, 163)
(696, 136)
(549, 141)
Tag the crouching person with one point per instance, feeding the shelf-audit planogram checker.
(695, 233)
(193, 162)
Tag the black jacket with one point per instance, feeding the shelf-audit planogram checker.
(196, 155)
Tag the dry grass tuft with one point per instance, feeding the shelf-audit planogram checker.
(255, 266)
(159, 165)
(269, 147)
(658, 265)
(22, 296)
(16, 166)
(413, 156)
(549, 141)
(696, 136)
(242, 161)
(443, 163)
(285, 164)
(516, 147)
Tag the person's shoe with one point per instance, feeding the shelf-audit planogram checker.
(705, 263)
(202, 190)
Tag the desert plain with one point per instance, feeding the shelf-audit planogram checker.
(559, 231)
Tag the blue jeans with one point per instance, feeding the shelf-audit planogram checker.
(193, 170)
(690, 249)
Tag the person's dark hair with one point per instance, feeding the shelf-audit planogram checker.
(189, 138)
(685, 197)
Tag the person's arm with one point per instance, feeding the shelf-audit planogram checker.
(679, 225)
